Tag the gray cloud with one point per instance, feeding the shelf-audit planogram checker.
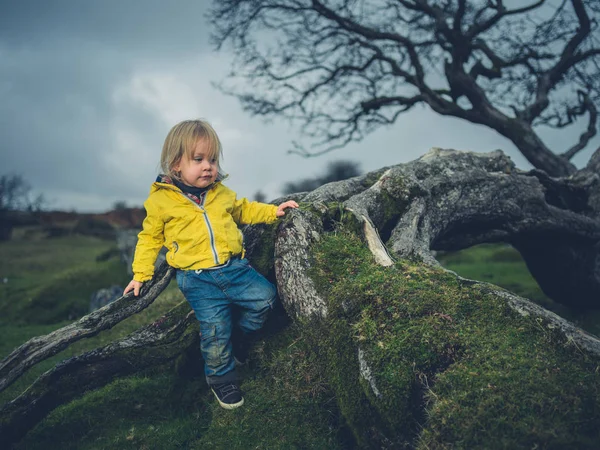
(141, 26)
(61, 64)
(89, 89)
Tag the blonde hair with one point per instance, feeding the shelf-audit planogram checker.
(181, 141)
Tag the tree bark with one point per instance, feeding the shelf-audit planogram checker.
(450, 200)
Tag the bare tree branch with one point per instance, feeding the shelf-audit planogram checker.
(586, 136)
(548, 80)
(479, 28)
(477, 60)
(372, 34)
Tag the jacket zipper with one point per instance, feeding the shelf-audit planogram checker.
(210, 230)
(208, 226)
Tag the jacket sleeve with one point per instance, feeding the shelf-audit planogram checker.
(245, 212)
(150, 241)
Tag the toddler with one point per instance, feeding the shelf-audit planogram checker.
(196, 217)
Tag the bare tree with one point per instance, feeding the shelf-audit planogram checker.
(15, 195)
(343, 68)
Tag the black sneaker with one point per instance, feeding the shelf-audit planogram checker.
(228, 395)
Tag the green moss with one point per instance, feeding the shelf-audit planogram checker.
(336, 359)
(451, 365)
(135, 412)
(284, 399)
(519, 385)
(389, 210)
(503, 265)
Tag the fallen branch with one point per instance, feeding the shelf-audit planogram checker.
(42, 347)
(153, 345)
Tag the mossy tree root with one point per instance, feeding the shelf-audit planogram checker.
(449, 200)
(380, 412)
(153, 345)
(42, 347)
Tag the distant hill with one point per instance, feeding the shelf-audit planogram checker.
(61, 223)
(119, 218)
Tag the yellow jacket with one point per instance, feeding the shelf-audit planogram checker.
(197, 236)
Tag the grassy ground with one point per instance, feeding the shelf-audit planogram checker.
(50, 280)
(168, 410)
(288, 402)
(44, 275)
(169, 407)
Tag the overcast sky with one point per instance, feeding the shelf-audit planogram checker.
(89, 90)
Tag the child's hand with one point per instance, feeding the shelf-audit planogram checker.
(281, 208)
(135, 285)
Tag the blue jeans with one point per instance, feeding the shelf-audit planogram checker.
(212, 293)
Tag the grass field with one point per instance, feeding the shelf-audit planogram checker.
(49, 283)
(288, 404)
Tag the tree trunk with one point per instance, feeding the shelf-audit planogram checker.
(445, 200)
(451, 200)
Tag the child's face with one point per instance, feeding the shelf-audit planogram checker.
(200, 170)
